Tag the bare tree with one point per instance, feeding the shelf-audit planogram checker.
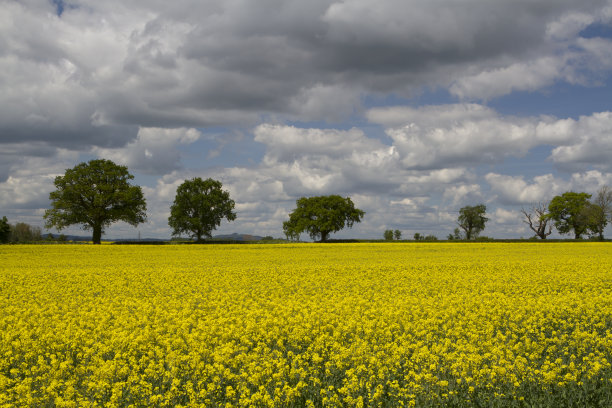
(538, 220)
(22, 232)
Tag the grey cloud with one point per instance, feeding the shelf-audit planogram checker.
(284, 143)
(22, 160)
(404, 38)
(514, 190)
(155, 64)
(155, 151)
(327, 160)
(31, 180)
(511, 190)
(430, 116)
(463, 194)
(582, 61)
(590, 146)
(436, 137)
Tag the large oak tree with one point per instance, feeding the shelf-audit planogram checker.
(569, 211)
(321, 216)
(95, 194)
(199, 207)
(472, 220)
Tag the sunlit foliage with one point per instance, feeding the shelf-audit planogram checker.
(355, 325)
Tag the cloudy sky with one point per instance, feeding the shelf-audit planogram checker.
(412, 108)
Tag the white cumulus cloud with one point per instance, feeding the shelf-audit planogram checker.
(155, 150)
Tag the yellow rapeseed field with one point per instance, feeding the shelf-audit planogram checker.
(307, 325)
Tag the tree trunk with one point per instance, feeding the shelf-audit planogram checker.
(97, 234)
(324, 235)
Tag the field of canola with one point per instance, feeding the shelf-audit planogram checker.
(372, 325)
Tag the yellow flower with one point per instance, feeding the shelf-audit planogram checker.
(277, 325)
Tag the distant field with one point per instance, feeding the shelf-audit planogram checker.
(425, 325)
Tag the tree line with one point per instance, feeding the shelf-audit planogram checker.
(98, 193)
(570, 213)
(19, 232)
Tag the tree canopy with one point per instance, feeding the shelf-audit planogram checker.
(322, 215)
(22, 232)
(472, 220)
(569, 213)
(599, 211)
(95, 194)
(199, 207)
(5, 230)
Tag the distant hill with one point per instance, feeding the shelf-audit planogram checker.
(79, 238)
(139, 240)
(69, 237)
(225, 237)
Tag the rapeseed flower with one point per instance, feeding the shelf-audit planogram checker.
(297, 325)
